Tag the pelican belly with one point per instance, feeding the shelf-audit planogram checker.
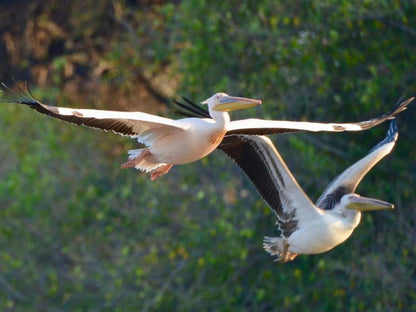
(200, 138)
(320, 235)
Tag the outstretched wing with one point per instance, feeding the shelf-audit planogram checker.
(133, 124)
(348, 180)
(259, 159)
(266, 127)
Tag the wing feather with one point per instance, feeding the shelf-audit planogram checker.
(190, 109)
(266, 127)
(349, 179)
(259, 159)
(132, 124)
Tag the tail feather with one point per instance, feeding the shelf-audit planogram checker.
(277, 246)
(146, 164)
(135, 152)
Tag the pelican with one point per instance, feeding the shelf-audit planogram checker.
(254, 126)
(306, 228)
(170, 142)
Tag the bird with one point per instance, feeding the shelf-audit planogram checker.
(306, 228)
(253, 126)
(169, 142)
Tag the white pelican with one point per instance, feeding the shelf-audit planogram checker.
(185, 140)
(170, 142)
(306, 228)
(265, 127)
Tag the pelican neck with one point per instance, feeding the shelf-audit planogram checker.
(220, 117)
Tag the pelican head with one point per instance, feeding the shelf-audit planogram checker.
(224, 102)
(360, 203)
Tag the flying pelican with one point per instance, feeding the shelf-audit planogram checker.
(265, 127)
(171, 142)
(306, 228)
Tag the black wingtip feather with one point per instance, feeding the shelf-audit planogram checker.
(391, 136)
(190, 109)
(400, 106)
(194, 105)
(183, 113)
(9, 95)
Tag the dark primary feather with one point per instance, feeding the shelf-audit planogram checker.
(247, 156)
(8, 95)
(252, 163)
(190, 109)
(197, 107)
(329, 201)
(400, 106)
(391, 136)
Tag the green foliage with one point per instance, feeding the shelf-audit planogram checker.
(79, 234)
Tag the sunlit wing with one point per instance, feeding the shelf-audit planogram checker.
(266, 127)
(348, 180)
(259, 159)
(133, 124)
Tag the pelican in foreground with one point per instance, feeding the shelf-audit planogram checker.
(255, 126)
(306, 228)
(170, 142)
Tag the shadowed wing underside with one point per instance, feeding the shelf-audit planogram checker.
(259, 159)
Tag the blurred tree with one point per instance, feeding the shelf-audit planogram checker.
(78, 234)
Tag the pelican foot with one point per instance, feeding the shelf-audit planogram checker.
(160, 171)
(133, 162)
(285, 257)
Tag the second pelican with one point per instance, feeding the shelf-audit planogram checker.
(306, 228)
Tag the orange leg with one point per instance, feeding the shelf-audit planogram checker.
(135, 161)
(158, 172)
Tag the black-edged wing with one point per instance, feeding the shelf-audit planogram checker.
(133, 124)
(259, 159)
(349, 179)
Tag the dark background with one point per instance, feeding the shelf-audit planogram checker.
(77, 233)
